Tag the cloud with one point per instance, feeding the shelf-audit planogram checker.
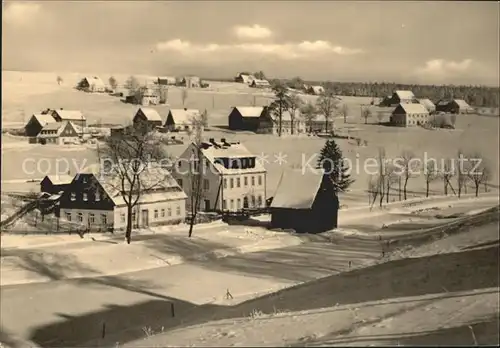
(441, 67)
(287, 51)
(19, 13)
(253, 32)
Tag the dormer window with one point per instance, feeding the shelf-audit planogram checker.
(97, 195)
(73, 196)
(84, 180)
(85, 197)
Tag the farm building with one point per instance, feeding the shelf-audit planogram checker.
(429, 105)
(316, 90)
(147, 118)
(36, 123)
(117, 131)
(74, 116)
(400, 97)
(405, 115)
(182, 119)
(166, 80)
(319, 124)
(147, 96)
(92, 84)
(95, 201)
(250, 118)
(305, 202)
(54, 184)
(454, 106)
(59, 133)
(244, 78)
(260, 84)
(287, 126)
(190, 82)
(233, 178)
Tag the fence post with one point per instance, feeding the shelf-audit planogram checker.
(103, 329)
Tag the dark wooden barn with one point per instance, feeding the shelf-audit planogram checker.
(305, 202)
(36, 124)
(250, 118)
(55, 183)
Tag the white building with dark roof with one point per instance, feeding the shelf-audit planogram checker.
(233, 178)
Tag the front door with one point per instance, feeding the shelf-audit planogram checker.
(207, 205)
(145, 218)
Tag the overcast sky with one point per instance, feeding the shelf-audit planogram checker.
(423, 42)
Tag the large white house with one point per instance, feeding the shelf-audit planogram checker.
(407, 115)
(96, 201)
(232, 177)
(297, 126)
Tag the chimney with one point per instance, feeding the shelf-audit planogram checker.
(223, 140)
(185, 109)
(211, 140)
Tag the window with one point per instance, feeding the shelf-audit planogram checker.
(224, 205)
(253, 201)
(178, 210)
(85, 196)
(156, 213)
(179, 181)
(122, 217)
(68, 216)
(231, 204)
(231, 183)
(97, 195)
(260, 180)
(245, 181)
(169, 211)
(73, 196)
(238, 182)
(259, 201)
(163, 212)
(253, 180)
(205, 184)
(80, 217)
(104, 219)
(84, 180)
(239, 203)
(91, 218)
(133, 216)
(225, 183)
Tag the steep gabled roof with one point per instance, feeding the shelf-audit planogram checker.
(412, 108)
(95, 80)
(70, 115)
(250, 111)
(185, 116)
(462, 104)
(427, 103)
(404, 95)
(60, 179)
(297, 189)
(43, 119)
(151, 114)
(286, 116)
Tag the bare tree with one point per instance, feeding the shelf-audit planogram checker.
(409, 166)
(478, 174)
(204, 119)
(344, 111)
(59, 80)
(280, 104)
(309, 114)
(382, 161)
(447, 173)
(327, 105)
(131, 158)
(462, 168)
(430, 174)
(373, 190)
(295, 102)
(391, 177)
(184, 96)
(132, 84)
(366, 113)
(113, 83)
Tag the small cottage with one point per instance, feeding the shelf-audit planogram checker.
(182, 119)
(54, 184)
(92, 84)
(250, 118)
(59, 133)
(316, 90)
(405, 115)
(256, 83)
(147, 118)
(244, 78)
(36, 124)
(74, 116)
(454, 106)
(305, 201)
(166, 81)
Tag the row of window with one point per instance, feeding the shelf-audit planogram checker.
(157, 213)
(255, 202)
(232, 181)
(91, 220)
(85, 196)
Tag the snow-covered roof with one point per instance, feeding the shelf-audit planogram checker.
(462, 104)
(62, 179)
(261, 82)
(286, 116)
(297, 189)
(169, 79)
(317, 89)
(427, 103)
(412, 108)
(233, 151)
(405, 95)
(59, 127)
(95, 80)
(151, 114)
(247, 78)
(185, 116)
(250, 111)
(70, 115)
(44, 119)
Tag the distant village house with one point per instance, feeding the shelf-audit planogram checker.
(190, 82)
(287, 126)
(315, 90)
(92, 84)
(147, 119)
(182, 119)
(407, 115)
(454, 106)
(59, 133)
(260, 84)
(244, 78)
(36, 123)
(166, 81)
(399, 97)
(250, 118)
